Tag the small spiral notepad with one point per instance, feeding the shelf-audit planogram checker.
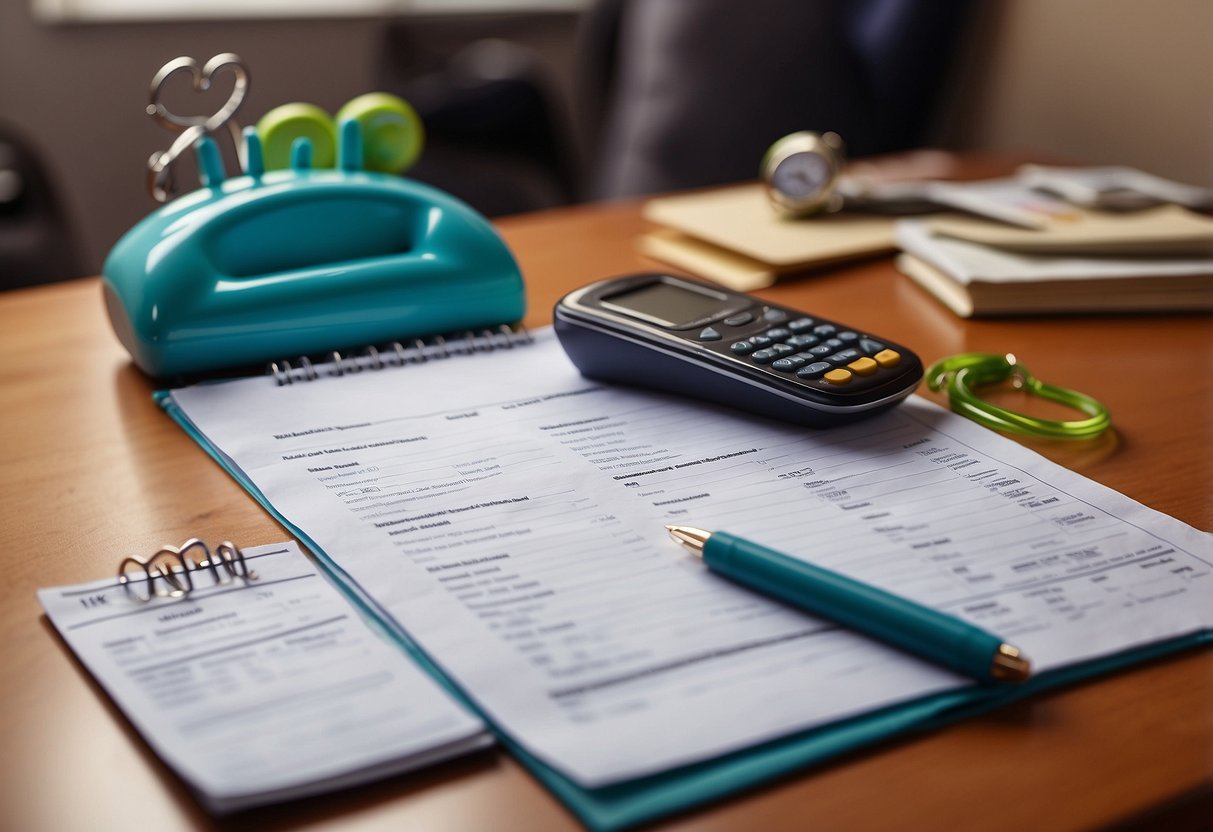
(256, 683)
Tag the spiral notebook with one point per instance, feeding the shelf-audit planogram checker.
(503, 517)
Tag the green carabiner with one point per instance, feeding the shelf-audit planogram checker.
(961, 373)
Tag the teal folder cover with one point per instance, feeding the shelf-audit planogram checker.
(639, 801)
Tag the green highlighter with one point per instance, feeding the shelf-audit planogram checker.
(920, 630)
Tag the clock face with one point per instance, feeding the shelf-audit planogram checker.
(801, 175)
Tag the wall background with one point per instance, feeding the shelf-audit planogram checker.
(1104, 81)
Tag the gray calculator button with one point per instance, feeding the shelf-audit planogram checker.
(870, 346)
(775, 316)
(764, 356)
(843, 356)
(802, 340)
(742, 347)
(782, 349)
(801, 325)
(739, 320)
(761, 341)
(709, 334)
(821, 350)
(848, 336)
(824, 330)
(836, 343)
(778, 333)
(787, 365)
(815, 370)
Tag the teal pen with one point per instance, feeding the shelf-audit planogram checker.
(890, 618)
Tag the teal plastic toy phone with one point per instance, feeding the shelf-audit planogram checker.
(278, 264)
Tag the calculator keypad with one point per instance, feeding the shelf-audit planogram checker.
(819, 353)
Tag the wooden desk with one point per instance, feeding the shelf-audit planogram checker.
(94, 471)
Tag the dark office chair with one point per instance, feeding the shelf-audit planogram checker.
(497, 134)
(36, 243)
(682, 93)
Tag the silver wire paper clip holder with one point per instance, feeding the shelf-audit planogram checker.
(160, 180)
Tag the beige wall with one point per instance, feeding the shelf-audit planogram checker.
(1100, 81)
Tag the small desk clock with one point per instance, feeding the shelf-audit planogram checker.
(800, 173)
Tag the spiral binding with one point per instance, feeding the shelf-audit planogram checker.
(398, 354)
(169, 572)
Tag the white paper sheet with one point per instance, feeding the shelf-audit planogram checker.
(509, 514)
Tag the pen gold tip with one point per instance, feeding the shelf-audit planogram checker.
(690, 537)
(1010, 665)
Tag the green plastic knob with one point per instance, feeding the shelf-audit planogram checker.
(281, 126)
(392, 132)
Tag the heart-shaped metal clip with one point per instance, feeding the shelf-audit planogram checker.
(160, 179)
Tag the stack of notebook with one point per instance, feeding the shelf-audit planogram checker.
(1158, 259)
(1015, 251)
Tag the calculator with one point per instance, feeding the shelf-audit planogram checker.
(683, 336)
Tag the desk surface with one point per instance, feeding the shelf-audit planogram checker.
(94, 471)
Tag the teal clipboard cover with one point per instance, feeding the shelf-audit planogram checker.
(647, 799)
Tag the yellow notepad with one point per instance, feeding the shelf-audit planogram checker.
(731, 235)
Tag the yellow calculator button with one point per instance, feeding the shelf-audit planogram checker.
(888, 358)
(863, 366)
(839, 376)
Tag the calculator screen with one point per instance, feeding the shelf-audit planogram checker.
(667, 304)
